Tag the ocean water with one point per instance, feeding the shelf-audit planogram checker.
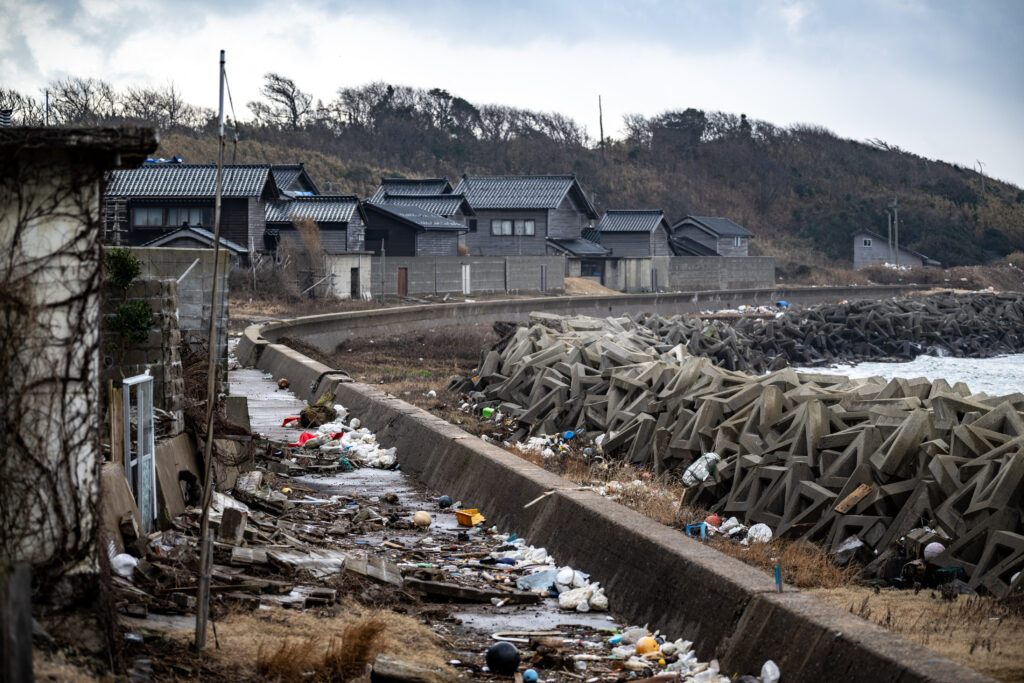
(994, 376)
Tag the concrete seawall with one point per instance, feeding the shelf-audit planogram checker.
(654, 574)
(326, 331)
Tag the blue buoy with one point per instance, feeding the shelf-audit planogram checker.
(530, 676)
(444, 502)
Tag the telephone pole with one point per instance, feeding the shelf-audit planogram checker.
(600, 123)
(895, 206)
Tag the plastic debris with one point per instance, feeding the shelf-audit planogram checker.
(503, 658)
(701, 469)
(770, 672)
(759, 533)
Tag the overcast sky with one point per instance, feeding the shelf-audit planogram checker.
(942, 79)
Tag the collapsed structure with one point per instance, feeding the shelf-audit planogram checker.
(820, 457)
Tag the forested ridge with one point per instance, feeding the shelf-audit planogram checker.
(801, 189)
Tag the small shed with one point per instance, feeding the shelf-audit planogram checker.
(720, 235)
(630, 233)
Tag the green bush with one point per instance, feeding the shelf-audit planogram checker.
(133, 321)
(122, 267)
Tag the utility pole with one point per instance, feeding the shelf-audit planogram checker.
(600, 123)
(46, 108)
(205, 535)
(981, 172)
(895, 206)
(889, 216)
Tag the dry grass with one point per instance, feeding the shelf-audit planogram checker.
(285, 645)
(983, 633)
(345, 658)
(802, 564)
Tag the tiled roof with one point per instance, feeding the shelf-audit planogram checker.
(190, 180)
(630, 221)
(418, 217)
(522, 192)
(579, 247)
(719, 226)
(441, 204)
(324, 208)
(411, 186)
(200, 234)
(293, 177)
(684, 246)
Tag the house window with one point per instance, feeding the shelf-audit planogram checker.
(147, 217)
(471, 224)
(521, 227)
(524, 227)
(191, 215)
(867, 241)
(737, 241)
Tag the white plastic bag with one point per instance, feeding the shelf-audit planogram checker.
(700, 469)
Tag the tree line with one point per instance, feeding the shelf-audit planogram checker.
(796, 185)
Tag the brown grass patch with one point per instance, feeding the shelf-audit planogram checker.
(343, 659)
(984, 633)
(286, 645)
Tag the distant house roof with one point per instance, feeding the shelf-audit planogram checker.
(324, 208)
(415, 217)
(522, 192)
(192, 180)
(580, 247)
(684, 246)
(928, 260)
(723, 227)
(196, 233)
(411, 186)
(441, 204)
(293, 177)
(622, 220)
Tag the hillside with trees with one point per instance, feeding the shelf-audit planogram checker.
(801, 189)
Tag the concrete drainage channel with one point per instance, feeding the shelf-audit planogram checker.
(653, 574)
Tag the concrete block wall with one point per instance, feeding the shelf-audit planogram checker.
(443, 274)
(720, 272)
(160, 353)
(340, 266)
(194, 293)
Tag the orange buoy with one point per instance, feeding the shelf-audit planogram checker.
(646, 645)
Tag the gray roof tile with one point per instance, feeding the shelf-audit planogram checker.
(579, 247)
(418, 217)
(293, 177)
(441, 204)
(189, 180)
(411, 186)
(719, 226)
(684, 246)
(200, 234)
(616, 220)
(322, 208)
(522, 192)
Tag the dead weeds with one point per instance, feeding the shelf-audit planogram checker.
(984, 633)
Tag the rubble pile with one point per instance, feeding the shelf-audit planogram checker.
(819, 457)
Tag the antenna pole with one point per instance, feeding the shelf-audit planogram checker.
(205, 536)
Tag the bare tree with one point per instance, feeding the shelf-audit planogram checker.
(287, 106)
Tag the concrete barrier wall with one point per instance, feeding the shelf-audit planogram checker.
(443, 274)
(327, 331)
(654, 574)
(719, 272)
(194, 290)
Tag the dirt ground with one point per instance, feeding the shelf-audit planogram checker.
(579, 285)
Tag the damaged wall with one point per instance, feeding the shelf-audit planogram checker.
(50, 273)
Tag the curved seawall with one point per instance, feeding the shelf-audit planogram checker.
(653, 573)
